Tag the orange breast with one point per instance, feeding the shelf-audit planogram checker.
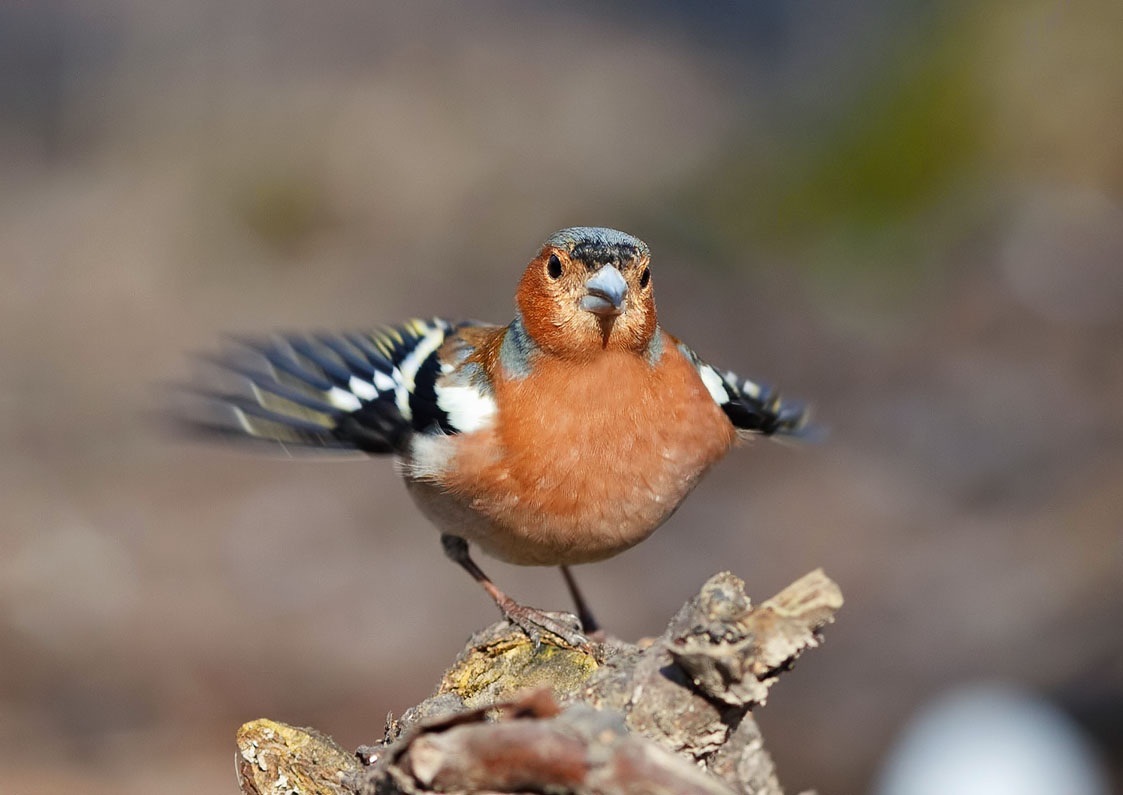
(586, 461)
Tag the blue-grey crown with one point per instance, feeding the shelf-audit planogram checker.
(596, 245)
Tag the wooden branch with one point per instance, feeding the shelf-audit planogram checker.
(510, 716)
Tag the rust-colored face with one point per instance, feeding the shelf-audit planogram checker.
(588, 291)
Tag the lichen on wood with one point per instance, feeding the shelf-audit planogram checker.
(277, 759)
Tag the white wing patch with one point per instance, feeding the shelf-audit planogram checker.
(344, 400)
(383, 382)
(468, 409)
(364, 389)
(750, 388)
(715, 384)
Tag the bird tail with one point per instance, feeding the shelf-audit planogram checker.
(331, 392)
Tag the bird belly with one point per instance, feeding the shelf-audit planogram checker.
(555, 525)
(583, 473)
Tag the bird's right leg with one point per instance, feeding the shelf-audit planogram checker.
(531, 621)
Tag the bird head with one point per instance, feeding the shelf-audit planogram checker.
(589, 290)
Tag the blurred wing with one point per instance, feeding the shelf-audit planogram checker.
(752, 406)
(365, 391)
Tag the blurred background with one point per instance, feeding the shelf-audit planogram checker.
(910, 214)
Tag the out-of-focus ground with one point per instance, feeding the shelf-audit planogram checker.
(911, 215)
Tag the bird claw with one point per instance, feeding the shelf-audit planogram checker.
(533, 622)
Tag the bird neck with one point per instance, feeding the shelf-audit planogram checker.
(517, 351)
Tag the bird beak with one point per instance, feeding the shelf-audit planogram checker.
(605, 292)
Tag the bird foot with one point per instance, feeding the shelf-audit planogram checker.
(533, 622)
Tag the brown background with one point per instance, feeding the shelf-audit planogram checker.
(910, 216)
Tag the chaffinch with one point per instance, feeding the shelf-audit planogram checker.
(564, 437)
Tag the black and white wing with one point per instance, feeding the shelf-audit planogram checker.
(750, 405)
(363, 391)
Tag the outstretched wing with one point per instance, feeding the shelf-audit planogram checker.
(366, 391)
(750, 405)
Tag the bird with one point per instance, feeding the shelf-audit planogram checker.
(564, 437)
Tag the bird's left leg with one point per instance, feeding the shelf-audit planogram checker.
(589, 624)
(531, 621)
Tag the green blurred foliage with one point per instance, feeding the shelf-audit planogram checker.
(283, 208)
(856, 197)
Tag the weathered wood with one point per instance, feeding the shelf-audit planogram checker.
(513, 716)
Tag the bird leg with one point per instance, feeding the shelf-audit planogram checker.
(589, 624)
(528, 619)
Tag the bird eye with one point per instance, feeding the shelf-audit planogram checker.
(553, 267)
(645, 277)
